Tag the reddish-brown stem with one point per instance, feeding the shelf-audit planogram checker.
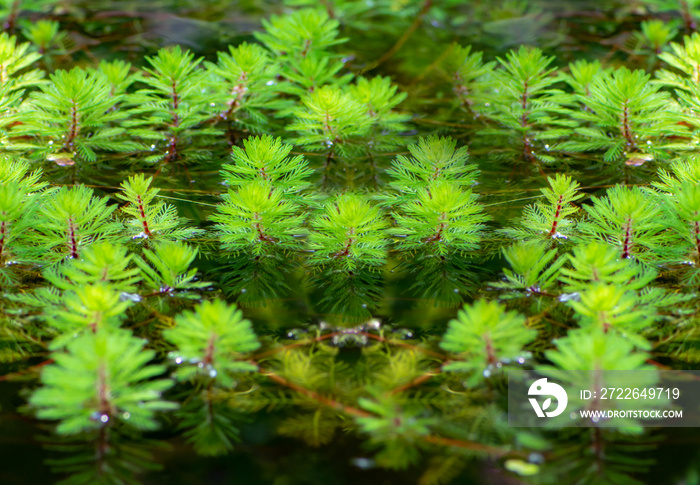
(307, 46)
(469, 445)
(12, 18)
(3, 229)
(326, 401)
(348, 245)
(414, 382)
(626, 128)
(555, 222)
(598, 448)
(142, 212)
(627, 243)
(262, 237)
(172, 145)
(104, 409)
(491, 358)
(527, 144)
(9, 376)
(73, 129)
(687, 17)
(72, 242)
(209, 352)
(523, 104)
(437, 236)
(696, 229)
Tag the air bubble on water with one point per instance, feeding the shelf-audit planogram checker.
(535, 458)
(649, 142)
(153, 147)
(212, 104)
(487, 373)
(243, 290)
(521, 360)
(487, 104)
(212, 373)
(129, 297)
(104, 418)
(270, 83)
(456, 290)
(126, 415)
(364, 305)
(51, 142)
(200, 365)
(363, 463)
(178, 360)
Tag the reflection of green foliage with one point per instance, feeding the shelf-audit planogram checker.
(393, 430)
(211, 339)
(349, 244)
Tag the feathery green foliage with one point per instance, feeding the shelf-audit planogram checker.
(551, 220)
(628, 218)
(348, 182)
(75, 116)
(169, 269)
(267, 159)
(524, 105)
(349, 243)
(150, 218)
(210, 341)
(629, 119)
(469, 73)
(174, 107)
(485, 336)
(243, 79)
(70, 218)
(100, 380)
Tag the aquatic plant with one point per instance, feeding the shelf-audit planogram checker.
(334, 235)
